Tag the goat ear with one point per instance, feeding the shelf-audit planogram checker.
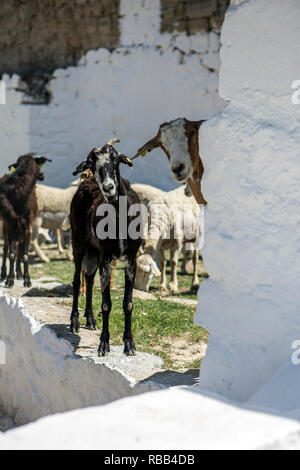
(193, 126)
(85, 175)
(81, 168)
(198, 124)
(148, 146)
(123, 159)
(87, 164)
(12, 168)
(42, 160)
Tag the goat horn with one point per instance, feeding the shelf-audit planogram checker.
(113, 141)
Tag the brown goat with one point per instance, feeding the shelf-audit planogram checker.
(179, 141)
(18, 209)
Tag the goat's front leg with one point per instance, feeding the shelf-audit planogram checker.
(75, 325)
(130, 271)
(5, 253)
(105, 273)
(24, 248)
(89, 314)
(12, 248)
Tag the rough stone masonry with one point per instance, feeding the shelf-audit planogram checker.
(39, 36)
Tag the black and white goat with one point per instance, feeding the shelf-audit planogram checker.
(91, 251)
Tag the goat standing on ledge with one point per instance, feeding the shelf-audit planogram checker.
(18, 209)
(91, 252)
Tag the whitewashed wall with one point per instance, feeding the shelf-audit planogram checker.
(251, 153)
(149, 79)
(41, 375)
(14, 125)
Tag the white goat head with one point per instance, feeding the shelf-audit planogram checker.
(146, 269)
(179, 140)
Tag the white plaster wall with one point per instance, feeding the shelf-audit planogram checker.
(171, 419)
(14, 124)
(128, 93)
(43, 376)
(250, 304)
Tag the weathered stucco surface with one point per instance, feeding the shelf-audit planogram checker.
(250, 303)
(42, 375)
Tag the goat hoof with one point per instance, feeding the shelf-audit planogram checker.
(91, 326)
(9, 283)
(75, 325)
(91, 323)
(75, 328)
(104, 349)
(19, 276)
(194, 288)
(27, 283)
(129, 347)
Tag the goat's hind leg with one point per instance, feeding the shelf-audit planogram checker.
(5, 253)
(105, 274)
(19, 274)
(90, 265)
(12, 248)
(130, 271)
(24, 248)
(89, 314)
(75, 325)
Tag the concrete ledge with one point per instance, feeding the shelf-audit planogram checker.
(168, 419)
(42, 375)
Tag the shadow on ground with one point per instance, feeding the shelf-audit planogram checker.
(172, 378)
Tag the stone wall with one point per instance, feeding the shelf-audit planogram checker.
(42, 35)
(150, 78)
(192, 16)
(39, 36)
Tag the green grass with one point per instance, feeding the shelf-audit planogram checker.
(157, 325)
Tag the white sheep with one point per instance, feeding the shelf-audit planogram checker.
(163, 236)
(54, 207)
(147, 193)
